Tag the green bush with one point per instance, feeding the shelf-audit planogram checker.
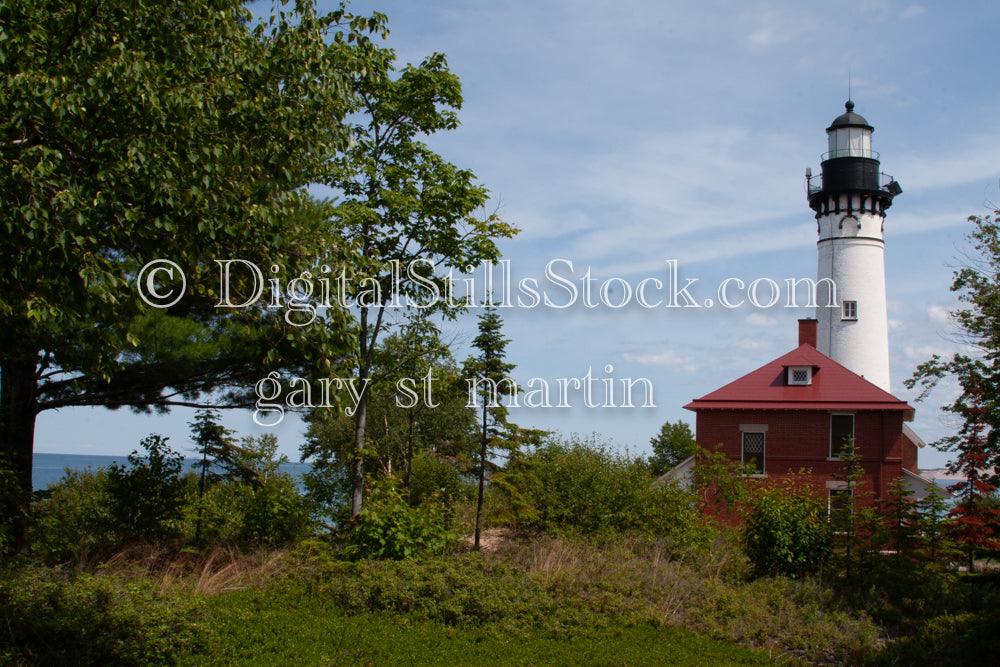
(51, 618)
(584, 486)
(273, 512)
(787, 531)
(73, 518)
(433, 474)
(388, 527)
(147, 495)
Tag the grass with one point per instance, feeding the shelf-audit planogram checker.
(540, 600)
(269, 627)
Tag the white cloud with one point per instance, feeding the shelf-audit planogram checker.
(664, 358)
(761, 320)
(939, 314)
(913, 10)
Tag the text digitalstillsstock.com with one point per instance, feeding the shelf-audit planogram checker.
(162, 283)
(561, 286)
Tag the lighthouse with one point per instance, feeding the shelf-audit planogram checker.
(850, 198)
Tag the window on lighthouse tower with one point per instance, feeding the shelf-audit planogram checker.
(850, 310)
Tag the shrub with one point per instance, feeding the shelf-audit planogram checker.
(148, 494)
(388, 527)
(436, 474)
(273, 512)
(50, 618)
(787, 531)
(73, 518)
(586, 487)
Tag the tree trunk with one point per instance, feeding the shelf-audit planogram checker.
(18, 408)
(358, 485)
(409, 458)
(482, 480)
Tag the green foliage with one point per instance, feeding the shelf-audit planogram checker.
(411, 213)
(487, 375)
(859, 530)
(401, 426)
(786, 531)
(52, 618)
(389, 527)
(73, 518)
(273, 512)
(434, 474)
(255, 503)
(187, 131)
(673, 444)
(214, 442)
(9, 494)
(304, 629)
(146, 496)
(585, 486)
(977, 442)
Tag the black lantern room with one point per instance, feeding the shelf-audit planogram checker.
(850, 167)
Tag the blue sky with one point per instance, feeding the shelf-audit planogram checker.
(622, 135)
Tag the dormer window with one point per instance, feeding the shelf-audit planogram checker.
(800, 375)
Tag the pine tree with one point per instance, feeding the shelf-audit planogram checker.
(487, 375)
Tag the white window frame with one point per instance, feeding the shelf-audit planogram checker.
(849, 311)
(792, 370)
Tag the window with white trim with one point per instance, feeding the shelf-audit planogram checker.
(753, 451)
(800, 375)
(850, 310)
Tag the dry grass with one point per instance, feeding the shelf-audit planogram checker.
(220, 569)
(708, 592)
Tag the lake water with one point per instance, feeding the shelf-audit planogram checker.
(49, 468)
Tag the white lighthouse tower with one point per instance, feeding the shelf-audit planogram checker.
(850, 198)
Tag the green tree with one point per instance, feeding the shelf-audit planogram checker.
(147, 495)
(856, 526)
(977, 442)
(411, 213)
(487, 375)
(673, 444)
(273, 511)
(215, 444)
(134, 131)
(416, 404)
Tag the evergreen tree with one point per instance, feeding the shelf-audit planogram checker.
(977, 442)
(487, 375)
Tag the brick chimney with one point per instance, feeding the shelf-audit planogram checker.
(808, 332)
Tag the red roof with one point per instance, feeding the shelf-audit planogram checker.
(833, 387)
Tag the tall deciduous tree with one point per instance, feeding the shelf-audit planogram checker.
(412, 213)
(134, 131)
(977, 371)
(487, 374)
(416, 403)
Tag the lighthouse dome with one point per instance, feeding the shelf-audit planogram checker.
(850, 135)
(849, 119)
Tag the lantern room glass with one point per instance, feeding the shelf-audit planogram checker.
(850, 142)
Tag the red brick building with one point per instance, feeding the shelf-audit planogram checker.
(797, 411)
